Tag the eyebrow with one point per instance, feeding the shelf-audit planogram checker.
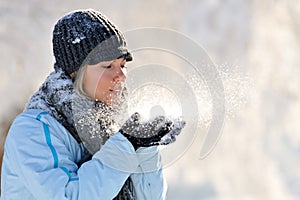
(124, 60)
(108, 62)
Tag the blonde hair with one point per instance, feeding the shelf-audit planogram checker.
(78, 82)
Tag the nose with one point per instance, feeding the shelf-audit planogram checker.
(119, 75)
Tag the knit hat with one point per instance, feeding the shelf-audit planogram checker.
(86, 37)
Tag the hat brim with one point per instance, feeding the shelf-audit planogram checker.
(127, 56)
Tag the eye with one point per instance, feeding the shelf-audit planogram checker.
(107, 67)
(123, 66)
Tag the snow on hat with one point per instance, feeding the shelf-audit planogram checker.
(86, 37)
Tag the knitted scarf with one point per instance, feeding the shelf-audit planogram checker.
(88, 121)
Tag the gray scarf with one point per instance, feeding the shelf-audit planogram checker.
(88, 121)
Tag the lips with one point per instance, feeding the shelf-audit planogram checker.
(117, 88)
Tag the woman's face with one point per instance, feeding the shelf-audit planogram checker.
(105, 81)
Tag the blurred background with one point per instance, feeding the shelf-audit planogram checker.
(258, 154)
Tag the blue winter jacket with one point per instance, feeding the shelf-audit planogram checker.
(40, 159)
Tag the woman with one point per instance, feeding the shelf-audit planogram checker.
(70, 142)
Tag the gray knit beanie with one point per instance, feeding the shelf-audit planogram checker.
(86, 37)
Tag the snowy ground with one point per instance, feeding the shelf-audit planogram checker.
(257, 156)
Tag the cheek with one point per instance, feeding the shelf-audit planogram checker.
(98, 83)
(91, 81)
(104, 83)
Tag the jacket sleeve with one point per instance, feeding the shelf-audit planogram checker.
(148, 180)
(46, 166)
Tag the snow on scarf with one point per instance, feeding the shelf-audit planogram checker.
(88, 121)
